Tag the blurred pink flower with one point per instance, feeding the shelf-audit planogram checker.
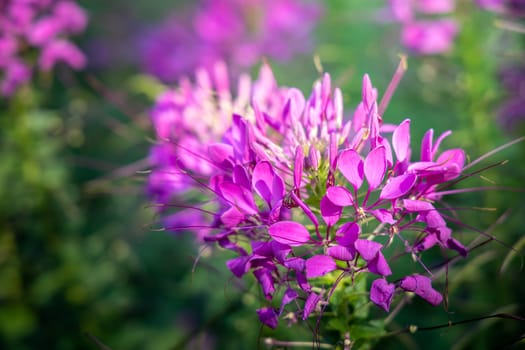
(429, 37)
(239, 32)
(43, 25)
(423, 35)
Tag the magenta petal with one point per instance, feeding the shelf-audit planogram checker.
(298, 167)
(383, 216)
(232, 217)
(434, 219)
(268, 317)
(412, 205)
(340, 252)
(280, 251)
(221, 155)
(457, 246)
(381, 293)
(238, 196)
(289, 296)
(359, 118)
(350, 165)
(398, 186)
(61, 51)
(289, 232)
(453, 161)
(379, 265)
(296, 264)
(264, 277)
(368, 249)
(369, 94)
(426, 146)
(267, 183)
(238, 266)
(241, 177)
(401, 141)
(319, 265)
(347, 234)
(340, 196)
(329, 211)
(428, 242)
(421, 286)
(375, 167)
(310, 304)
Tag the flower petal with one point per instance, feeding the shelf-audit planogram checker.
(426, 146)
(398, 186)
(319, 265)
(347, 234)
(238, 196)
(289, 296)
(340, 252)
(329, 211)
(421, 286)
(401, 141)
(298, 167)
(268, 185)
(310, 304)
(368, 249)
(381, 293)
(350, 165)
(268, 317)
(379, 265)
(340, 196)
(375, 167)
(221, 155)
(289, 232)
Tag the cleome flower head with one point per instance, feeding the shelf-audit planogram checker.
(302, 196)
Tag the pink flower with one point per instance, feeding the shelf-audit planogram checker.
(381, 293)
(429, 37)
(44, 25)
(239, 32)
(425, 36)
(295, 191)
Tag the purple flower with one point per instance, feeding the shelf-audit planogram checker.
(61, 51)
(429, 37)
(421, 286)
(422, 35)
(511, 8)
(295, 191)
(236, 31)
(15, 74)
(381, 293)
(44, 25)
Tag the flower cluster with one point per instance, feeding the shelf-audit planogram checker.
(238, 31)
(511, 113)
(297, 192)
(515, 8)
(428, 35)
(37, 24)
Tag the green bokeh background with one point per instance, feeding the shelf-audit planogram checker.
(79, 262)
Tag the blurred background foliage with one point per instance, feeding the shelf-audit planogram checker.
(80, 262)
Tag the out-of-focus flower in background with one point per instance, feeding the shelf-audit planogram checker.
(422, 31)
(507, 7)
(239, 32)
(41, 25)
(511, 113)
